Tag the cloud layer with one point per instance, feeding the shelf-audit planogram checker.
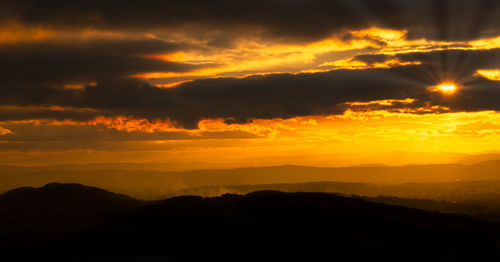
(299, 19)
(270, 96)
(109, 75)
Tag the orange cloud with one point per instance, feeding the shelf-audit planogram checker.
(485, 44)
(256, 57)
(318, 140)
(355, 64)
(13, 33)
(5, 131)
(386, 102)
(78, 85)
(492, 74)
(171, 85)
(122, 123)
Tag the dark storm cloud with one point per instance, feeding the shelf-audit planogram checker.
(61, 62)
(34, 72)
(287, 95)
(299, 19)
(238, 100)
(273, 96)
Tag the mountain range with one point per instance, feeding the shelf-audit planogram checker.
(150, 184)
(70, 222)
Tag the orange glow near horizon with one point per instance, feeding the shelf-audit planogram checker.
(315, 140)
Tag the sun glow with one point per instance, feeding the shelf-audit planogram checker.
(447, 88)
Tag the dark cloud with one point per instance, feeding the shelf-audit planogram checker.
(237, 100)
(286, 95)
(299, 19)
(72, 61)
(36, 113)
(45, 131)
(273, 96)
(33, 74)
(373, 59)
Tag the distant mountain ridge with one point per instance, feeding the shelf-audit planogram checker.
(474, 192)
(151, 184)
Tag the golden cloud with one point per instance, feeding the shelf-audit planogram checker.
(491, 74)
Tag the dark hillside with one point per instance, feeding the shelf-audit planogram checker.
(57, 207)
(260, 226)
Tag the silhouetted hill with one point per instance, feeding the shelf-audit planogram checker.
(267, 226)
(73, 193)
(36, 210)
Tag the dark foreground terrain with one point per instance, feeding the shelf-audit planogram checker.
(69, 222)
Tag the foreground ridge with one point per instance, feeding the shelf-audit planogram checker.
(263, 225)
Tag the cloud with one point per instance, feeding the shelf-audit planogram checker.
(90, 134)
(4, 131)
(60, 62)
(491, 74)
(458, 65)
(233, 99)
(36, 74)
(300, 19)
(239, 100)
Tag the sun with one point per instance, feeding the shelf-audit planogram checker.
(447, 88)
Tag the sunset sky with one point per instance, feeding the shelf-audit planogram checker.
(202, 84)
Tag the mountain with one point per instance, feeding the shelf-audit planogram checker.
(36, 211)
(478, 198)
(485, 193)
(157, 184)
(260, 226)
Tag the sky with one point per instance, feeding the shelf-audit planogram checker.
(248, 83)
